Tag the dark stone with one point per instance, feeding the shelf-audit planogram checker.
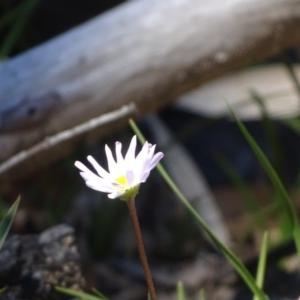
(32, 265)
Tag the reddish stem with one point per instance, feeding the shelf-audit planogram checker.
(141, 248)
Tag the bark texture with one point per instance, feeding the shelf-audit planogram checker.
(146, 52)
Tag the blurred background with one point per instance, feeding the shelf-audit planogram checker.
(205, 152)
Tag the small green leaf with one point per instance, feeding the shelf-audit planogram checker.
(7, 221)
(202, 295)
(99, 294)
(260, 275)
(78, 294)
(180, 291)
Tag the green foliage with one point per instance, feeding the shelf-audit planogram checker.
(79, 294)
(285, 206)
(7, 221)
(232, 258)
(202, 295)
(260, 275)
(16, 19)
(180, 291)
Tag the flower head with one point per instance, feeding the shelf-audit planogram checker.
(125, 173)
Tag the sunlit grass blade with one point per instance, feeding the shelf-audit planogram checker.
(7, 221)
(275, 150)
(81, 295)
(270, 131)
(99, 294)
(2, 290)
(275, 153)
(202, 295)
(261, 270)
(233, 259)
(292, 73)
(180, 291)
(292, 123)
(285, 205)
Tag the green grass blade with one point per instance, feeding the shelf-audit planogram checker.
(202, 295)
(285, 204)
(270, 131)
(234, 260)
(7, 221)
(17, 28)
(99, 294)
(78, 294)
(260, 275)
(180, 291)
(288, 64)
(275, 152)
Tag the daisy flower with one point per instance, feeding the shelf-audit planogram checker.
(125, 174)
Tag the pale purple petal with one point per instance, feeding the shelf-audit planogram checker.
(144, 176)
(130, 178)
(141, 160)
(112, 166)
(155, 160)
(149, 157)
(97, 167)
(151, 151)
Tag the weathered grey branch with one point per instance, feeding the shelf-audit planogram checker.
(24, 158)
(148, 52)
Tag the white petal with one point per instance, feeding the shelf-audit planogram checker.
(135, 168)
(120, 159)
(87, 176)
(84, 169)
(130, 155)
(141, 157)
(96, 179)
(114, 195)
(97, 167)
(98, 187)
(112, 166)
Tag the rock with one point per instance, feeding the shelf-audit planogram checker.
(32, 265)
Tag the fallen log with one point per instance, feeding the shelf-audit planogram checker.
(146, 52)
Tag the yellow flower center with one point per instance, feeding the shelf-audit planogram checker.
(122, 180)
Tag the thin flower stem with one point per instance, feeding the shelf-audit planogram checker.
(141, 248)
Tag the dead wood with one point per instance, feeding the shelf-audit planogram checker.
(148, 52)
(272, 82)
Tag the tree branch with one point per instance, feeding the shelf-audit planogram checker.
(148, 52)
